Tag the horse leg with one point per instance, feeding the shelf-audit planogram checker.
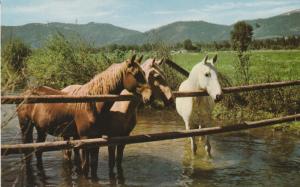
(193, 141)
(84, 160)
(67, 153)
(76, 152)
(41, 137)
(120, 151)
(193, 145)
(27, 131)
(94, 162)
(207, 146)
(77, 160)
(111, 160)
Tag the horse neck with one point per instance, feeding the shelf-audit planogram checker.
(126, 107)
(193, 77)
(107, 82)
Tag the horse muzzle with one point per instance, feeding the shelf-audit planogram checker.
(169, 101)
(146, 100)
(219, 97)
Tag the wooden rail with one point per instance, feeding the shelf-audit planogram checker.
(63, 98)
(177, 67)
(107, 98)
(238, 89)
(58, 145)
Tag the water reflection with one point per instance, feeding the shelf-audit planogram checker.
(248, 158)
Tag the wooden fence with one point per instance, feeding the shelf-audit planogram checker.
(102, 98)
(58, 145)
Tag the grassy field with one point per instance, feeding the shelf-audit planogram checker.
(279, 64)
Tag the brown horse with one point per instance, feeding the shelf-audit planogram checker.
(81, 120)
(123, 114)
(70, 90)
(122, 117)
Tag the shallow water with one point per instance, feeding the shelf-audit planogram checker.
(248, 158)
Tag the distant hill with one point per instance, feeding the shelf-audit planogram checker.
(35, 34)
(282, 25)
(199, 31)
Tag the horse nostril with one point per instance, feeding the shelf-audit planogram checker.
(219, 97)
(171, 100)
(146, 100)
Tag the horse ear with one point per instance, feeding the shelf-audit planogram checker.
(140, 59)
(152, 62)
(132, 59)
(215, 58)
(205, 59)
(160, 62)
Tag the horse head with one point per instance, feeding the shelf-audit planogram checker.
(135, 81)
(208, 78)
(157, 81)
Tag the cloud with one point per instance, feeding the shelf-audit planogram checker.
(141, 15)
(62, 10)
(165, 12)
(242, 5)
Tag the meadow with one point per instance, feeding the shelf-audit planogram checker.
(265, 64)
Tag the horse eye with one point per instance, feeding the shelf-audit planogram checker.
(156, 83)
(207, 74)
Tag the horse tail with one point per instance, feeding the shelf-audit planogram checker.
(26, 126)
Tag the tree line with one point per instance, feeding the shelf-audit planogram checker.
(285, 42)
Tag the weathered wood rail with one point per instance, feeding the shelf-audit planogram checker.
(177, 67)
(58, 145)
(107, 98)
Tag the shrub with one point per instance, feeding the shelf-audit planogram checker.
(14, 55)
(61, 63)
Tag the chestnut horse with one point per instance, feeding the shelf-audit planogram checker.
(123, 113)
(80, 120)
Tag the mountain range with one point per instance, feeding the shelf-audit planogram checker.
(100, 34)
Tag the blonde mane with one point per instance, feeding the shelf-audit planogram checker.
(104, 82)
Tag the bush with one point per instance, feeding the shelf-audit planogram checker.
(61, 63)
(14, 55)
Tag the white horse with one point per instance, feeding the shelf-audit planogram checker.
(196, 111)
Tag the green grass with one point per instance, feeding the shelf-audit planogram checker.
(280, 64)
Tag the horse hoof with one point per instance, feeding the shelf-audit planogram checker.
(95, 178)
(209, 156)
(121, 179)
(40, 166)
(194, 151)
(112, 175)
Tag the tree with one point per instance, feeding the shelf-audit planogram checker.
(241, 36)
(188, 45)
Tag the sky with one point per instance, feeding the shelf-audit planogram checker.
(140, 15)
